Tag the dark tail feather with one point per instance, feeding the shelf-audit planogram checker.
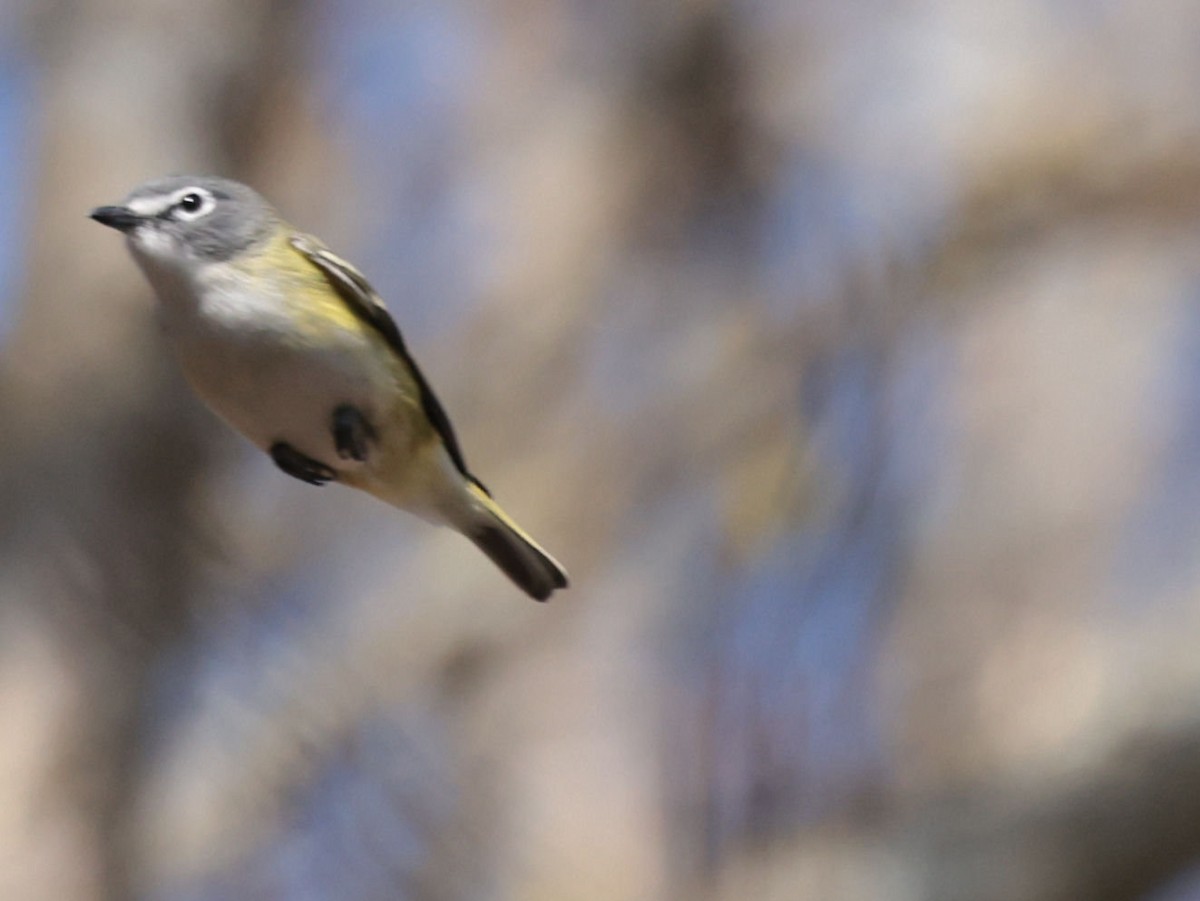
(527, 565)
(533, 570)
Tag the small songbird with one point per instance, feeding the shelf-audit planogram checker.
(291, 346)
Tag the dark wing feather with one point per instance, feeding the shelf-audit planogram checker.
(361, 298)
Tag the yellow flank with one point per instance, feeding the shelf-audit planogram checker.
(404, 471)
(402, 467)
(316, 305)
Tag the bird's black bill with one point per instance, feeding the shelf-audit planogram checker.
(118, 217)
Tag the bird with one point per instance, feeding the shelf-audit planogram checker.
(291, 346)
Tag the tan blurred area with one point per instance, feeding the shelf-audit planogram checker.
(846, 354)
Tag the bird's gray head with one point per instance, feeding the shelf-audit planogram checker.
(185, 218)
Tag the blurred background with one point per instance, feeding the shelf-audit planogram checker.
(847, 354)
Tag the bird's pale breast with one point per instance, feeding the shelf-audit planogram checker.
(275, 358)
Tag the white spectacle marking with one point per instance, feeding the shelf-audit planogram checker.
(207, 202)
(160, 203)
(151, 206)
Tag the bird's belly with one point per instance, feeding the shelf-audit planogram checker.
(277, 387)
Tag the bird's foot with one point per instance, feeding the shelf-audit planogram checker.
(352, 433)
(297, 465)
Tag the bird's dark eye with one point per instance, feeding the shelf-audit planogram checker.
(190, 203)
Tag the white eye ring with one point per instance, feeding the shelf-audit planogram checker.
(192, 203)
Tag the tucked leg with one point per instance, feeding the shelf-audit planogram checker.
(295, 464)
(352, 433)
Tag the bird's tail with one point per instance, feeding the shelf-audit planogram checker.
(510, 548)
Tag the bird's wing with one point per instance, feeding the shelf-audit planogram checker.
(353, 287)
